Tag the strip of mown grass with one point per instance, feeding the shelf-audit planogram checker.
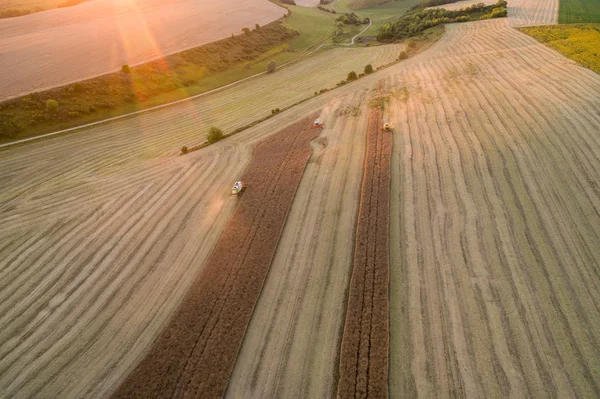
(578, 11)
(579, 42)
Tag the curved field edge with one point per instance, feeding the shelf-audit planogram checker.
(174, 77)
(197, 351)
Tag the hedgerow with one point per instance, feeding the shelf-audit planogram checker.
(140, 83)
(420, 19)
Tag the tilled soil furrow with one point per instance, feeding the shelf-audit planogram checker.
(172, 366)
(364, 347)
(291, 347)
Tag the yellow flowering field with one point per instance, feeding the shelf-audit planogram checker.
(579, 42)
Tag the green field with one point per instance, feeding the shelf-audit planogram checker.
(313, 25)
(380, 15)
(579, 42)
(578, 11)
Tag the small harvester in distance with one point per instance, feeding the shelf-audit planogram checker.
(387, 127)
(318, 124)
(238, 188)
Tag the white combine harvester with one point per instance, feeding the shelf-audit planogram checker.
(238, 188)
(387, 127)
(318, 124)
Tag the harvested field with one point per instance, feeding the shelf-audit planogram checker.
(463, 4)
(125, 227)
(532, 12)
(196, 352)
(307, 3)
(292, 344)
(364, 348)
(98, 37)
(495, 220)
(494, 285)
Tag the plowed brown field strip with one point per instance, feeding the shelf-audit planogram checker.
(197, 351)
(364, 351)
(291, 348)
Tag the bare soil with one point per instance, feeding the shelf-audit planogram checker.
(364, 349)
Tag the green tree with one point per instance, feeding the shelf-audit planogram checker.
(351, 76)
(271, 66)
(125, 68)
(214, 134)
(51, 105)
(368, 69)
(246, 31)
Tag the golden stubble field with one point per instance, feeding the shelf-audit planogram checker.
(61, 46)
(495, 220)
(103, 232)
(495, 216)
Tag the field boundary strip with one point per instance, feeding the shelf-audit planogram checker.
(157, 107)
(196, 352)
(365, 342)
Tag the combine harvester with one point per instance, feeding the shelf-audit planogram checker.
(387, 127)
(318, 124)
(238, 188)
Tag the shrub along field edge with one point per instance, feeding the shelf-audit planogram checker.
(135, 88)
(420, 18)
